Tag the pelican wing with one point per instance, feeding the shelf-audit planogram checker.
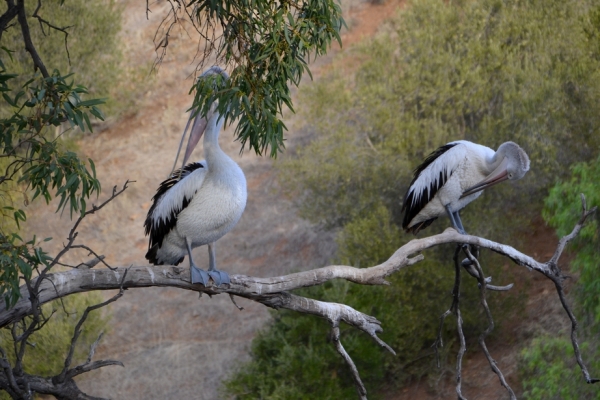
(428, 178)
(173, 195)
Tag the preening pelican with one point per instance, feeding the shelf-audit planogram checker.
(198, 203)
(453, 176)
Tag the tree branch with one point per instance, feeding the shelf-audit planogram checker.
(362, 391)
(273, 292)
(37, 61)
(10, 14)
(490, 328)
(43, 22)
(67, 373)
(255, 288)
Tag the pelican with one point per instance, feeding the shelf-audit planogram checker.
(199, 203)
(453, 176)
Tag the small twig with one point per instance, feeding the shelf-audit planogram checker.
(460, 354)
(234, 303)
(62, 303)
(585, 213)
(459, 321)
(97, 258)
(42, 21)
(574, 341)
(439, 341)
(172, 20)
(73, 233)
(10, 377)
(360, 387)
(93, 348)
(92, 263)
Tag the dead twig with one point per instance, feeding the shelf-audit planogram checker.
(554, 273)
(67, 373)
(490, 328)
(43, 22)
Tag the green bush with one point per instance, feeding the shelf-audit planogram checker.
(551, 372)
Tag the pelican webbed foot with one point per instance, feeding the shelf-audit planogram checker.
(219, 277)
(198, 275)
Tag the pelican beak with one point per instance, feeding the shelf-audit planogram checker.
(196, 133)
(500, 174)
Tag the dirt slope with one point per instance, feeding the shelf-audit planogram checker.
(174, 344)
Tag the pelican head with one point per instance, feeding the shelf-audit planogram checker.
(200, 123)
(512, 164)
(517, 160)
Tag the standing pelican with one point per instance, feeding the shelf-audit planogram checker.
(198, 203)
(453, 176)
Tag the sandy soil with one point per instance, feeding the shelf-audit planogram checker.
(174, 344)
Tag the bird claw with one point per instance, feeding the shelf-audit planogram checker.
(219, 277)
(198, 275)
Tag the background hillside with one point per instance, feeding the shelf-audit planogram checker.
(175, 345)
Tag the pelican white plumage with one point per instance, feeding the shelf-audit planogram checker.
(453, 176)
(199, 203)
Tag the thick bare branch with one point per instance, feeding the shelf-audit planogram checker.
(360, 387)
(261, 289)
(10, 14)
(38, 384)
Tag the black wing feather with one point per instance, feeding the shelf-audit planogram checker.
(159, 230)
(411, 209)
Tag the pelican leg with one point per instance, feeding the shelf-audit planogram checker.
(459, 222)
(455, 220)
(196, 274)
(219, 277)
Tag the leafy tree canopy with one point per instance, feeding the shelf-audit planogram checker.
(267, 46)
